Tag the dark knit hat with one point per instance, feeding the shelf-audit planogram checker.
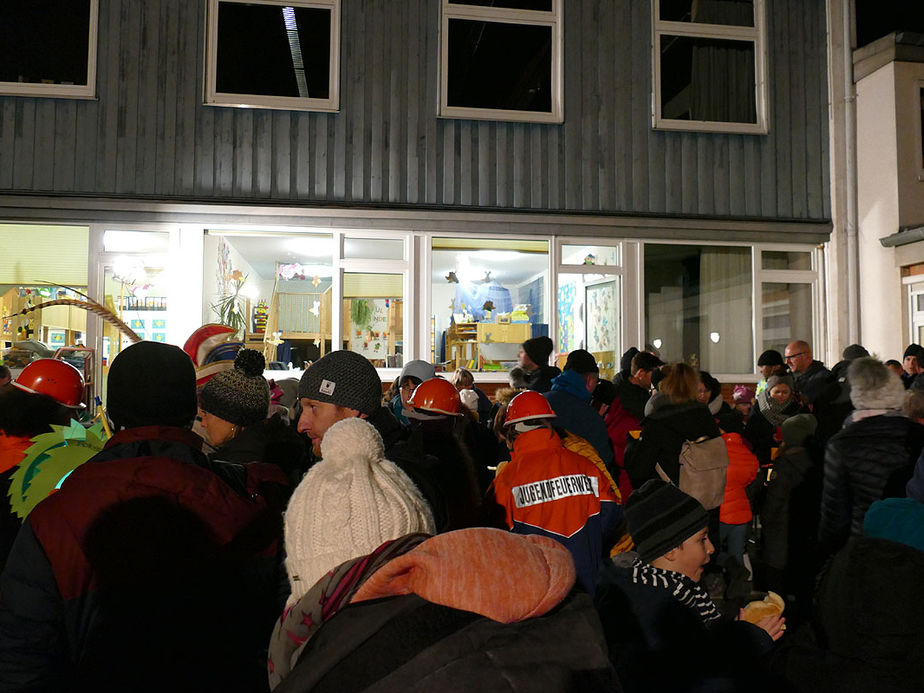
(538, 349)
(343, 378)
(604, 392)
(915, 350)
(797, 429)
(771, 357)
(239, 395)
(854, 351)
(780, 379)
(151, 384)
(660, 517)
(581, 361)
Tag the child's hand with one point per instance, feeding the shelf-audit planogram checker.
(774, 626)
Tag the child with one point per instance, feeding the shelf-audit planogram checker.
(663, 629)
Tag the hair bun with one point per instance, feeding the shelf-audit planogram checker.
(250, 362)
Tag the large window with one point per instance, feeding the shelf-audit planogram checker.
(48, 48)
(501, 60)
(698, 305)
(788, 297)
(273, 54)
(487, 297)
(709, 61)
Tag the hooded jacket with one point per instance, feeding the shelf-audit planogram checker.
(570, 400)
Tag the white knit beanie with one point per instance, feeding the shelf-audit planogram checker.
(874, 386)
(347, 505)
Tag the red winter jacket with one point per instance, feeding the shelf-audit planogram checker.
(742, 470)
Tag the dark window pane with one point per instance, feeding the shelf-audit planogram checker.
(498, 65)
(728, 12)
(44, 41)
(542, 5)
(256, 56)
(707, 79)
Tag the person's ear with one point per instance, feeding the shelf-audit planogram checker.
(672, 554)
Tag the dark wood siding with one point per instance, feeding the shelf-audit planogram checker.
(148, 134)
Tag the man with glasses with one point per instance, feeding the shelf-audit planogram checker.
(810, 376)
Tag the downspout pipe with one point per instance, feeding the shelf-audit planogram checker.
(850, 163)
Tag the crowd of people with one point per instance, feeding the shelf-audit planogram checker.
(569, 534)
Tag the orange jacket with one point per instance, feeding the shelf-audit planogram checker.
(742, 470)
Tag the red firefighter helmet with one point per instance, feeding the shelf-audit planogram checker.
(527, 406)
(437, 396)
(56, 379)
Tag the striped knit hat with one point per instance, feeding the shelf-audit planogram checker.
(660, 517)
(239, 395)
(347, 505)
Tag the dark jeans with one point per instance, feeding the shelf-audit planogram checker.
(733, 539)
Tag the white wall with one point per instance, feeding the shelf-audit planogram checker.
(878, 213)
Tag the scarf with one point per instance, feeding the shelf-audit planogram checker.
(682, 588)
(771, 410)
(302, 620)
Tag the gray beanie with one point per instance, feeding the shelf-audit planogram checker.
(422, 370)
(874, 386)
(345, 379)
(239, 395)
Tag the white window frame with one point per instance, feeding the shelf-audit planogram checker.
(756, 35)
(212, 97)
(65, 91)
(502, 15)
(609, 272)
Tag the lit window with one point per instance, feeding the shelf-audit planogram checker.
(48, 48)
(271, 54)
(709, 61)
(501, 60)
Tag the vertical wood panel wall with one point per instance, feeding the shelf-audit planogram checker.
(148, 134)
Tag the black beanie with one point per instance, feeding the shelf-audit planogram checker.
(538, 349)
(581, 361)
(151, 384)
(239, 395)
(343, 378)
(625, 363)
(915, 350)
(854, 351)
(660, 517)
(771, 357)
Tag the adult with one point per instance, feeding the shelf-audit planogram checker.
(131, 576)
(5, 375)
(810, 376)
(343, 385)
(548, 490)
(871, 458)
(663, 629)
(413, 374)
(912, 364)
(233, 407)
(775, 403)
(533, 358)
(709, 392)
(672, 417)
(570, 399)
(770, 362)
(438, 422)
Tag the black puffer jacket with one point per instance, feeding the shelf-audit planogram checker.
(868, 460)
(664, 431)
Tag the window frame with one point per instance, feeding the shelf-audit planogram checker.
(213, 97)
(756, 35)
(919, 129)
(552, 19)
(65, 91)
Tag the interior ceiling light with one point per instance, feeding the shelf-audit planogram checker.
(295, 48)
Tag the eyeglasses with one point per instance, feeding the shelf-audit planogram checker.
(792, 356)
